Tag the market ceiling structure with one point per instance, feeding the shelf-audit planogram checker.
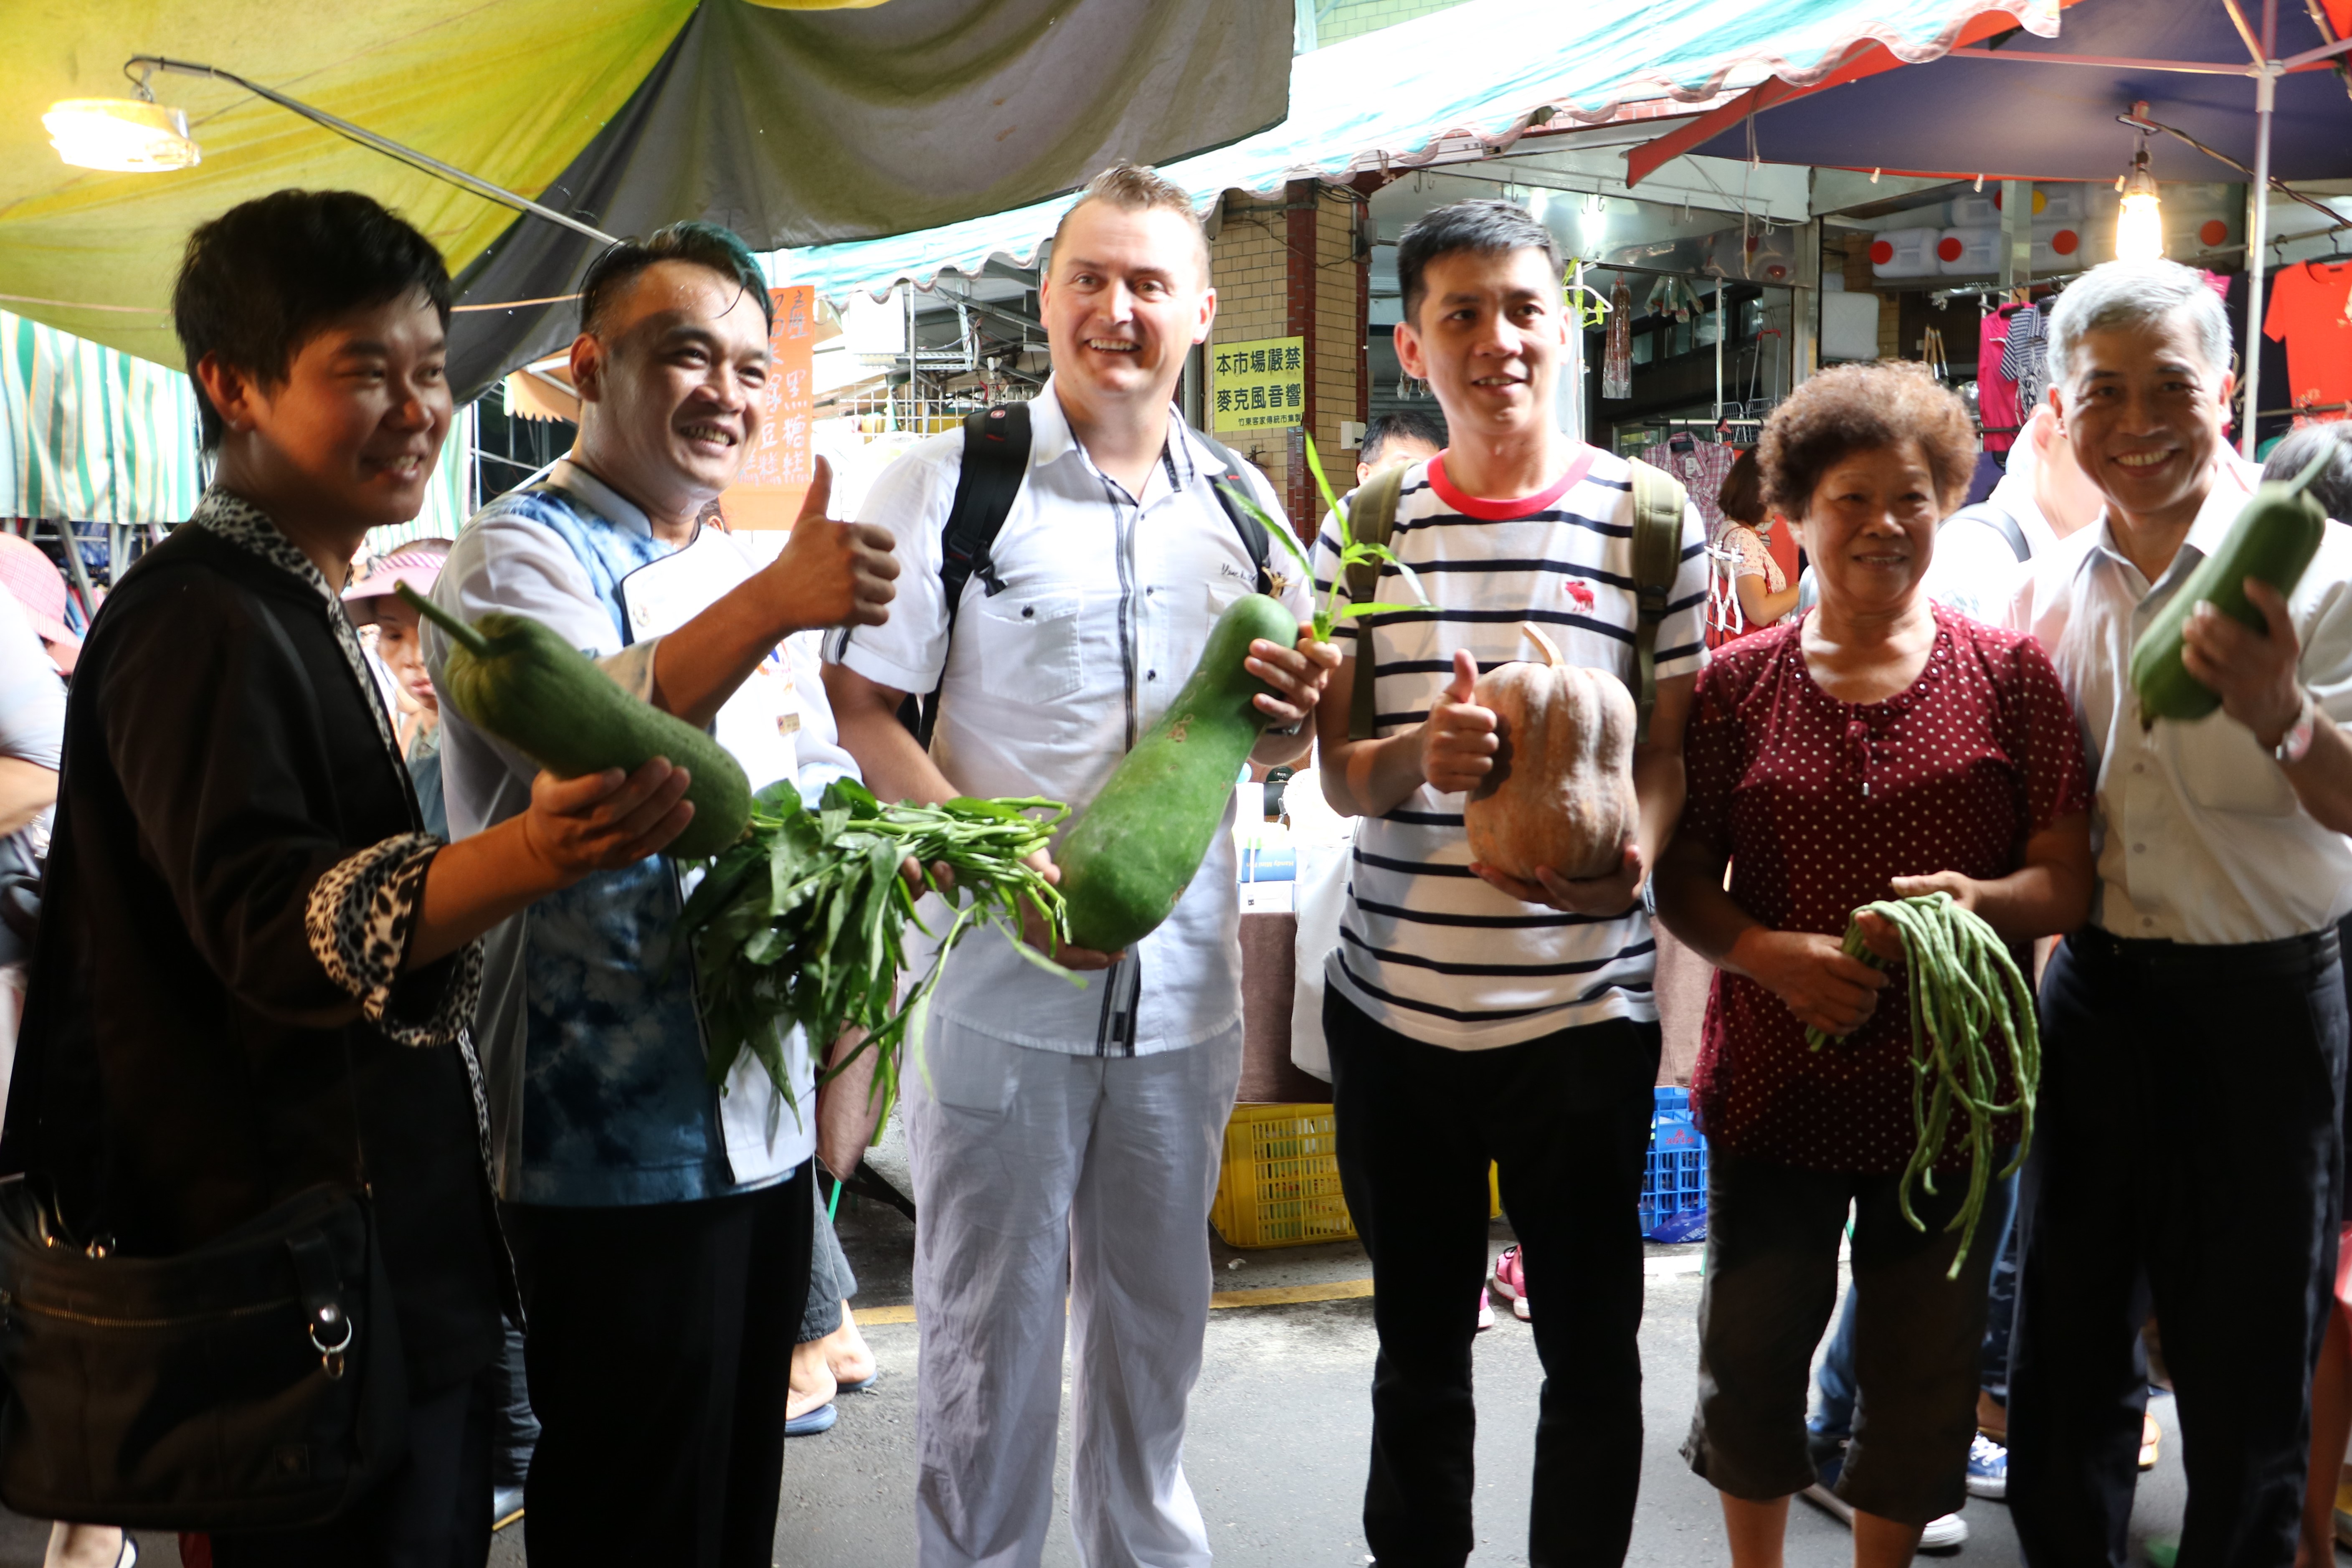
(2015, 111)
(1491, 71)
(792, 122)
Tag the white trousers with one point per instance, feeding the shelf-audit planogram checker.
(1040, 1175)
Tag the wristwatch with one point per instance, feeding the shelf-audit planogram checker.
(2297, 741)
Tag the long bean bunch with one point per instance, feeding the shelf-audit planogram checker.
(1966, 993)
(803, 920)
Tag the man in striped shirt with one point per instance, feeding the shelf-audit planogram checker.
(1472, 1017)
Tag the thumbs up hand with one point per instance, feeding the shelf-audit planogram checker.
(834, 573)
(1458, 743)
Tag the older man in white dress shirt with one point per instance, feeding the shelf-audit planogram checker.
(2188, 1154)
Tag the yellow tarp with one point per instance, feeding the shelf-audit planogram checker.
(509, 90)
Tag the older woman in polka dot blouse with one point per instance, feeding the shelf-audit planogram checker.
(1881, 746)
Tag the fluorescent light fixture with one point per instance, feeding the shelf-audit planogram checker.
(2139, 228)
(120, 135)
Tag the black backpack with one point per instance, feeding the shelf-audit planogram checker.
(995, 463)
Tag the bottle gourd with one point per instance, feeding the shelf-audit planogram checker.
(1139, 844)
(2274, 538)
(517, 679)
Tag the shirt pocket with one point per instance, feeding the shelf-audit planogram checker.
(1029, 649)
(2223, 768)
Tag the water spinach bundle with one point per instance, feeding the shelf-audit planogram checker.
(805, 920)
(1967, 995)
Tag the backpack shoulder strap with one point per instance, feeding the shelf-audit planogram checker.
(1230, 486)
(995, 464)
(1659, 500)
(1371, 520)
(1999, 519)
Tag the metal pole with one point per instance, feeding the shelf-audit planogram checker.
(2016, 234)
(2258, 205)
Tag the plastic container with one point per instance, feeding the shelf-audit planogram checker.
(2061, 245)
(1904, 252)
(1673, 1185)
(1280, 1183)
(1969, 251)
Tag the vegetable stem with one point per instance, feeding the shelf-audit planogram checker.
(466, 636)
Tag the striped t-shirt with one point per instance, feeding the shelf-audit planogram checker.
(1426, 948)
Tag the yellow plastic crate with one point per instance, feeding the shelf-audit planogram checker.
(1280, 1183)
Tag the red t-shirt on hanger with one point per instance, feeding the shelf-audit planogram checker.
(2311, 312)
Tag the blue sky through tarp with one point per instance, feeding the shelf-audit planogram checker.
(1478, 68)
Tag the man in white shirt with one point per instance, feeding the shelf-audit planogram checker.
(2043, 497)
(661, 1225)
(2186, 1155)
(1472, 1017)
(1066, 1141)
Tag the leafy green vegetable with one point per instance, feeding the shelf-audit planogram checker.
(1352, 551)
(803, 920)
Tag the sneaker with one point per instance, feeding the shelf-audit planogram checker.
(1942, 1534)
(1486, 1310)
(1988, 1469)
(1511, 1282)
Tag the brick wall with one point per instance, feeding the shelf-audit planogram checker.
(1285, 267)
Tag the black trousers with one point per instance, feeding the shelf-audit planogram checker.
(659, 1350)
(434, 1511)
(1568, 1119)
(2187, 1157)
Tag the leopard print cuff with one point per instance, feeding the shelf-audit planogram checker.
(360, 919)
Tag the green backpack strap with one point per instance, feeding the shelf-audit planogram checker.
(1658, 502)
(1372, 519)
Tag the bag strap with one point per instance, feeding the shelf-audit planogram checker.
(1999, 521)
(995, 463)
(1231, 486)
(1659, 500)
(1371, 520)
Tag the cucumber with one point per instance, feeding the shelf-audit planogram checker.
(1137, 845)
(2274, 539)
(519, 681)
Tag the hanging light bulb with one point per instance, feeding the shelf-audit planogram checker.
(120, 135)
(2139, 228)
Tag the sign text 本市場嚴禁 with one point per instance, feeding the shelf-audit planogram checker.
(1257, 386)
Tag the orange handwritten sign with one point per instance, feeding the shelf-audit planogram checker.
(776, 472)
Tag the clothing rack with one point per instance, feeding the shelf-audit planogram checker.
(1941, 297)
(2305, 408)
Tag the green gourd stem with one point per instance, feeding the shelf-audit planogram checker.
(466, 637)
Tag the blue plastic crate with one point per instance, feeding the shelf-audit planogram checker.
(1674, 1181)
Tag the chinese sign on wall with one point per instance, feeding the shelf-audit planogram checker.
(1257, 386)
(777, 471)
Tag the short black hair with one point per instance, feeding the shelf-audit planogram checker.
(258, 281)
(1404, 425)
(704, 244)
(2332, 486)
(1488, 226)
(1740, 497)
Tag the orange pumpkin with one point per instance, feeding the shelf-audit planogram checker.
(1562, 794)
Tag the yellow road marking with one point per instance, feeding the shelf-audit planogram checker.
(1272, 1296)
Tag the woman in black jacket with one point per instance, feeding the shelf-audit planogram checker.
(256, 971)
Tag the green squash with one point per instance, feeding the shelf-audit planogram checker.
(2274, 538)
(1132, 852)
(518, 680)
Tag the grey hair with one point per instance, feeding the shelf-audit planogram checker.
(2131, 293)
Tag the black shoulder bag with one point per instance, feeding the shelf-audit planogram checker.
(252, 1383)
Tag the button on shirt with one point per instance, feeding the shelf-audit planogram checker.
(1102, 604)
(2199, 835)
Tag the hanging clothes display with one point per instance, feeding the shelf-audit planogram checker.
(1701, 466)
(1671, 296)
(1997, 406)
(2311, 312)
(2024, 356)
(1617, 362)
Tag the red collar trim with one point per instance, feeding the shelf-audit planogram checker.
(1487, 511)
